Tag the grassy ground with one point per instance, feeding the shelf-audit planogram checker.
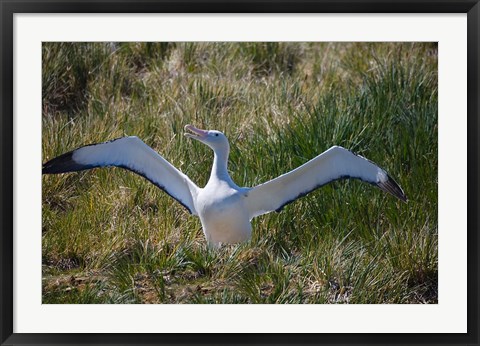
(111, 237)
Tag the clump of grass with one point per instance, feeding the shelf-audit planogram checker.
(266, 58)
(109, 236)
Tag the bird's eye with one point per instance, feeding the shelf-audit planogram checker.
(216, 135)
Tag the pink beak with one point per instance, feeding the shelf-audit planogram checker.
(197, 133)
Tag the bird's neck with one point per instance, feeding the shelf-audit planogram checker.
(219, 168)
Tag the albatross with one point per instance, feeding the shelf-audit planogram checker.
(225, 209)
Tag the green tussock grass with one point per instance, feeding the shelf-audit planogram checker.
(109, 236)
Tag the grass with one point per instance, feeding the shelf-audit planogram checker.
(109, 236)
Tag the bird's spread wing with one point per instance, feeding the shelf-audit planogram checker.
(334, 164)
(132, 154)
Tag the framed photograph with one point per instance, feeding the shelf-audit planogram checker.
(239, 173)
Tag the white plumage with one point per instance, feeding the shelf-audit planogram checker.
(225, 209)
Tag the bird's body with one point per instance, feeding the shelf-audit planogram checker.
(223, 212)
(225, 209)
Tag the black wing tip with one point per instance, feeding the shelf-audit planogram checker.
(393, 188)
(63, 164)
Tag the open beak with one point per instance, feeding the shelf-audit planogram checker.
(195, 133)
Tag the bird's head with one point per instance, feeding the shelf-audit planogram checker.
(216, 140)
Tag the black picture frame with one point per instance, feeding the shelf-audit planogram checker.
(9, 7)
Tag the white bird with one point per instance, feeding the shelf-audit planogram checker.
(225, 209)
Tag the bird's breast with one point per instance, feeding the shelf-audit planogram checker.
(218, 204)
(224, 216)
